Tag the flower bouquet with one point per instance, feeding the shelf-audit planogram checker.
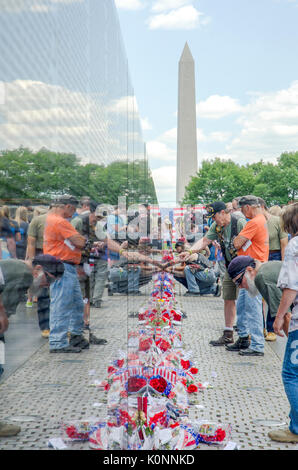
(136, 384)
(78, 430)
(160, 385)
(209, 432)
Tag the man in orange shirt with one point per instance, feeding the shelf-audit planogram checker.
(67, 306)
(253, 240)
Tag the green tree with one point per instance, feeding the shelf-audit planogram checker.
(219, 180)
(45, 174)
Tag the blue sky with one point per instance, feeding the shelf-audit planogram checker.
(245, 54)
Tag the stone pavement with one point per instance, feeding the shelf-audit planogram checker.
(43, 390)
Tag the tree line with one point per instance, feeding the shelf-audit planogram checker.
(225, 180)
(44, 175)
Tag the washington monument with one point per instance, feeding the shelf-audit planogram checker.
(187, 159)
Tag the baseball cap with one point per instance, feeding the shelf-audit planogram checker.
(249, 200)
(67, 199)
(239, 264)
(215, 207)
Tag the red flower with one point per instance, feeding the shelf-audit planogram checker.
(107, 386)
(134, 384)
(163, 345)
(145, 344)
(192, 388)
(177, 317)
(174, 425)
(111, 369)
(120, 363)
(193, 370)
(74, 434)
(159, 384)
(220, 435)
(159, 418)
(185, 364)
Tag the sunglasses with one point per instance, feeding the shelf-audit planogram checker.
(238, 281)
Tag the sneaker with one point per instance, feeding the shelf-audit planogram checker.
(271, 336)
(66, 349)
(226, 338)
(250, 352)
(283, 435)
(8, 430)
(78, 341)
(29, 304)
(241, 343)
(94, 340)
(45, 333)
(192, 294)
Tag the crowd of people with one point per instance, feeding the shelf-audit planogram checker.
(63, 256)
(260, 284)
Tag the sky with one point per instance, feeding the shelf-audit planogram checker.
(246, 72)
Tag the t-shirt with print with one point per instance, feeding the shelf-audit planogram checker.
(257, 232)
(275, 232)
(288, 277)
(212, 234)
(56, 233)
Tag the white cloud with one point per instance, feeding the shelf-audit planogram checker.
(159, 151)
(186, 17)
(36, 114)
(269, 126)
(129, 4)
(216, 107)
(165, 184)
(124, 105)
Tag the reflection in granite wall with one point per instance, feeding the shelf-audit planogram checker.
(64, 81)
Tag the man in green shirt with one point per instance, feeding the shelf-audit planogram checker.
(224, 229)
(278, 240)
(256, 277)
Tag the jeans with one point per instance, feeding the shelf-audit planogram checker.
(66, 308)
(269, 319)
(98, 279)
(290, 378)
(125, 280)
(43, 309)
(250, 319)
(200, 281)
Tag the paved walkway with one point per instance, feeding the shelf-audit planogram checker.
(40, 390)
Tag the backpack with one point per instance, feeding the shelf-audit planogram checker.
(234, 233)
